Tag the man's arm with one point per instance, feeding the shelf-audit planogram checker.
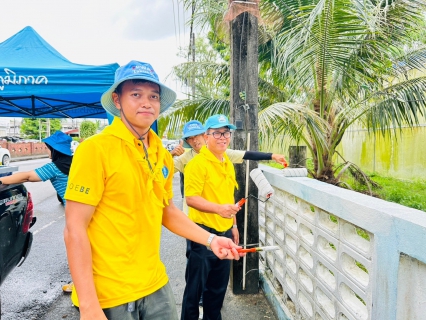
(257, 155)
(224, 210)
(237, 156)
(77, 218)
(178, 164)
(177, 222)
(21, 177)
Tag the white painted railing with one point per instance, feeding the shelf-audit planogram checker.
(344, 255)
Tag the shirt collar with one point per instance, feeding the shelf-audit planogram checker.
(210, 156)
(118, 128)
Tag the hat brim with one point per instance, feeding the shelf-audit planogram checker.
(167, 96)
(192, 134)
(58, 147)
(230, 126)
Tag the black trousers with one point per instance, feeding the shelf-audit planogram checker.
(205, 275)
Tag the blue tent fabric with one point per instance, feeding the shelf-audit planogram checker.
(36, 81)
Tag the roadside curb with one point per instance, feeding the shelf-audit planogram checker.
(42, 156)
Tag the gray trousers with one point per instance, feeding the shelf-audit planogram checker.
(159, 305)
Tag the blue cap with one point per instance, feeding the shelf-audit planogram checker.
(218, 121)
(60, 142)
(137, 70)
(190, 129)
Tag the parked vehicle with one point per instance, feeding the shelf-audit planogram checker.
(16, 219)
(74, 145)
(4, 156)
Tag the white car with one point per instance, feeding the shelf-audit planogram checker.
(74, 145)
(4, 156)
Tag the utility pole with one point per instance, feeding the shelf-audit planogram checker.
(244, 109)
(192, 48)
(47, 128)
(39, 130)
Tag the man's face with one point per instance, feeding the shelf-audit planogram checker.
(196, 142)
(140, 103)
(218, 140)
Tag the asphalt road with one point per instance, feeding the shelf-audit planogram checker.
(30, 290)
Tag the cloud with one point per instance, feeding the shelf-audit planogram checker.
(157, 20)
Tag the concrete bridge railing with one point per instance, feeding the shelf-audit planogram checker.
(343, 256)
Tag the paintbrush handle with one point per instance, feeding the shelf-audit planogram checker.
(241, 202)
(247, 250)
(267, 248)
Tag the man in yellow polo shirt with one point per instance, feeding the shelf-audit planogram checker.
(119, 194)
(209, 191)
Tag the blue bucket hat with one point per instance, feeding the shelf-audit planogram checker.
(137, 70)
(218, 121)
(190, 129)
(60, 142)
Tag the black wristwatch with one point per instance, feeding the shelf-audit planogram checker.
(1, 182)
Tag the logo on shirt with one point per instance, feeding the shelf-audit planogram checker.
(165, 172)
(78, 188)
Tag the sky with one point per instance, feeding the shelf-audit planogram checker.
(97, 32)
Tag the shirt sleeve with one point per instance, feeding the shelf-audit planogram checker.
(257, 155)
(46, 172)
(235, 156)
(178, 163)
(86, 180)
(195, 177)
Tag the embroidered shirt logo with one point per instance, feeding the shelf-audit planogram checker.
(165, 171)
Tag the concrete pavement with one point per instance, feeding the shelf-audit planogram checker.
(247, 307)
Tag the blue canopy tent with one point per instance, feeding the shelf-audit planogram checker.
(36, 81)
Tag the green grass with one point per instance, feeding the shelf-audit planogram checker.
(409, 193)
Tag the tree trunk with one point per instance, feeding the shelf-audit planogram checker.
(297, 156)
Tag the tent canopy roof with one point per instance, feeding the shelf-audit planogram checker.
(36, 81)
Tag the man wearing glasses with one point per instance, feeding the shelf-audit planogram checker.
(193, 138)
(209, 191)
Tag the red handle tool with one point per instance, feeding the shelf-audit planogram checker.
(241, 202)
(267, 248)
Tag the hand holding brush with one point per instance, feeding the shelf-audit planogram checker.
(268, 248)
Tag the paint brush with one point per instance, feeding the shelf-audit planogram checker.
(241, 202)
(268, 248)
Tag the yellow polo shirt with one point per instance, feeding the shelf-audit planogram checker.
(110, 172)
(214, 180)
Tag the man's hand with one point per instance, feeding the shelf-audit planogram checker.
(228, 211)
(94, 314)
(235, 235)
(178, 150)
(280, 159)
(225, 248)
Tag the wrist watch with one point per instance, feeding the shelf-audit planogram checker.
(1, 182)
(209, 241)
(234, 226)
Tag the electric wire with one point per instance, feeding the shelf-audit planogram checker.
(174, 21)
(178, 18)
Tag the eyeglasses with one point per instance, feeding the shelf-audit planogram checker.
(218, 134)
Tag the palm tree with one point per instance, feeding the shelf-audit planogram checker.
(331, 64)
